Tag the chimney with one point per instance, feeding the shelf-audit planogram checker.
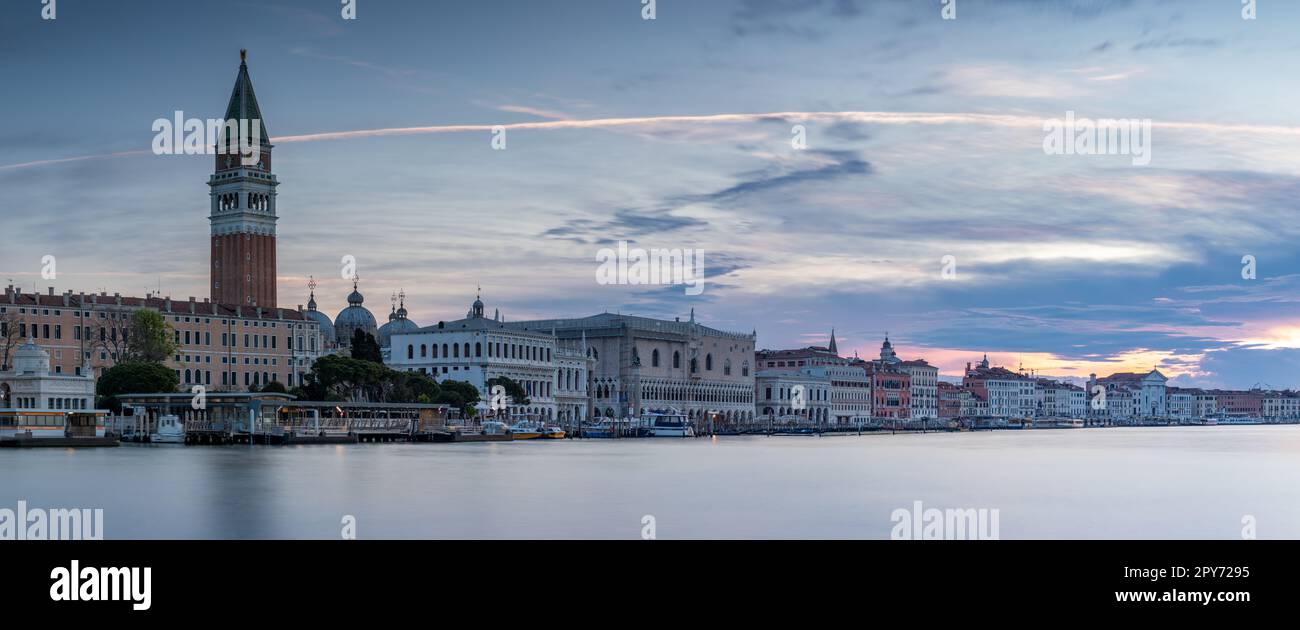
(279, 313)
(117, 298)
(9, 293)
(51, 291)
(239, 311)
(67, 298)
(191, 305)
(167, 304)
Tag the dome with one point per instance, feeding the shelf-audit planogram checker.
(354, 317)
(398, 326)
(322, 320)
(31, 359)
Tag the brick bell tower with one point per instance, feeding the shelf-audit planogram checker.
(243, 208)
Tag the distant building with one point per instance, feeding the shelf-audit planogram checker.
(1132, 395)
(949, 397)
(1056, 399)
(1006, 393)
(31, 385)
(220, 346)
(781, 393)
(643, 364)
(477, 349)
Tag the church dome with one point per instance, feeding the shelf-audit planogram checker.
(31, 359)
(354, 317)
(322, 320)
(397, 324)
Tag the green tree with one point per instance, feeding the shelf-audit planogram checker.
(365, 348)
(458, 394)
(274, 387)
(513, 389)
(335, 377)
(134, 378)
(150, 339)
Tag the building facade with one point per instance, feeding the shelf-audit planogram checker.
(222, 347)
(478, 349)
(31, 385)
(642, 364)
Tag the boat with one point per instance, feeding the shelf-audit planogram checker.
(1058, 423)
(553, 433)
(668, 425)
(1237, 420)
(600, 429)
(169, 431)
(527, 430)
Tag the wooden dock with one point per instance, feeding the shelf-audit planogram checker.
(58, 442)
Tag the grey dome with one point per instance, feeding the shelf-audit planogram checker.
(31, 359)
(396, 326)
(354, 317)
(323, 321)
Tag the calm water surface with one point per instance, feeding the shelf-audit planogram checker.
(1194, 482)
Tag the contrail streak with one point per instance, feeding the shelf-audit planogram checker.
(869, 118)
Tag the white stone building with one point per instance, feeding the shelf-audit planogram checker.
(30, 385)
(478, 349)
(778, 394)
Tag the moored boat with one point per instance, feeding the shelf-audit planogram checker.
(668, 425)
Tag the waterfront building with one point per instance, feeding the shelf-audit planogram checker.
(949, 400)
(1239, 404)
(222, 347)
(1207, 404)
(891, 390)
(573, 365)
(1281, 405)
(777, 394)
(1007, 394)
(31, 385)
(924, 394)
(1182, 403)
(643, 364)
(1147, 392)
(477, 349)
(1056, 399)
(849, 392)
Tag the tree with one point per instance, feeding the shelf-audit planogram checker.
(365, 348)
(134, 378)
(150, 338)
(411, 387)
(458, 394)
(274, 387)
(513, 389)
(12, 327)
(335, 377)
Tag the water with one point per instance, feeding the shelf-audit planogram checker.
(1194, 482)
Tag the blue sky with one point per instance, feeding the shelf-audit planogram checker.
(924, 140)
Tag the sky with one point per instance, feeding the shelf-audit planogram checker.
(921, 204)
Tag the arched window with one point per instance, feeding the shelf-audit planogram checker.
(726, 367)
(466, 349)
(410, 351)
(677, 360)
(708, 362)
(455, 350)
(424, 351)
(478, 349)
(654, 358)
(744, 369)
(444, 351)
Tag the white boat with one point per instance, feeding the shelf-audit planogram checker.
(170, 431)
(1058, 423)
(668, 425)
(1222, 420)
(527, 430)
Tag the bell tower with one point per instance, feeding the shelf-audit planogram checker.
(242, 210)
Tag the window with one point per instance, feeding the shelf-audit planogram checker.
(654, 358)
(410, 352)
(708, 362)
(478, 349)
(677, 360)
